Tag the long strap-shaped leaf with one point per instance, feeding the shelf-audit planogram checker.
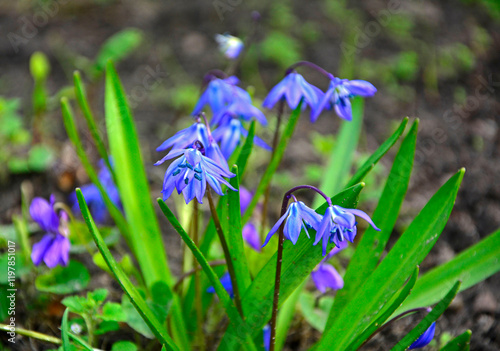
(372, 243)
(298, 262)
(156, 327)
(339, 164)
(231, 310)
(81, 97)
(132, 181)
(64, 331)
(471, 266)
(411, 248)
(421, 327)
(460, 343)
(274, 163)
(377, 155)
(69, 123)
(377, 323)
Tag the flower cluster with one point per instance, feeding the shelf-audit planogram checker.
(54, 247)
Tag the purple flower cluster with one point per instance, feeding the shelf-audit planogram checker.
(53, 249)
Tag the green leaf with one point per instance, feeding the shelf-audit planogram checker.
(298, 262)
(64, 280)
(81, 98)
(98, 295)
(64, 331)
(124, 144)
(471, 266)
(246, 150)
(460, 343)
(411, 248)
(242, 338)
(40, 158)
(274, 163)
(378, 154)
(106, 327)
(124, 346)
(77, 304)
(234, 235)
(116, 214)
(117, 47)
(379, 321)
(127, 286)
(372, 243)
(134, 319)
(341, 157)
(286, 315)
(421, 327)
(113, 311)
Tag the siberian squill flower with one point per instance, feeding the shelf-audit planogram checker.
(241, 106)
(94, 198)
(325, 275)
(425, 338)
(225, 280)
(190, 174)
(339, 96)
(218, 94)
(53, 249)
(339, 224)
(249, 232)
(230, 46)
(266, 331)
(297, 217)
(229, 134)
(186, 137)
(292, 89)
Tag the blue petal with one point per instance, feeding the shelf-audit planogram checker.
(425, 338)
(361, 88)
(343, 109)
(57, 252)
(326, 276)
(276, 93)
(40, 248)
(276, 227)
(251, 236)
(43, 213)
(293, 225)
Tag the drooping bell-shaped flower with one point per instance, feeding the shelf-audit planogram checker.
(186, 137)
(240, 107)
(54, 247)
(339, 96)
(425, 338)
(292, 89)
(251, 236)
(190, 174)
(325, 276)
(297, 217)
(225, 280)
(218, 94)
(339, 224)
(229, 135)
(229, 45)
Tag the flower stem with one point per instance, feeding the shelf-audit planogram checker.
(227, 255)
(311, 65)
(281, 239)
(32, 334)
(276, 138)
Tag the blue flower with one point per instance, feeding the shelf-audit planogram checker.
(230, 46)
(53, 249)
(241, 106)
(186, 137)
(190, 174)
(298, 216)
(93, 196)
(251, 236)
(229, 134)
(339, 94)
(425, 338)
(326, 276)
(266, 331)
(225, 280)
(339, 224)
(292, 89)
(218, 95)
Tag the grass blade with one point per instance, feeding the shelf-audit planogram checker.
(219, 289)
(274, 163)
(421, 327)
(156, 327)
(471, 266)
(460, 343)
(298, 262)
(377, 155)
(372, 243)
(116, 214)
(123, 141)
(377, 323)
(341, 157)
(411, 248)
(285, 316)
(81, 98)
(64, 331)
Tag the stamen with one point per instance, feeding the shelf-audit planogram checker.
(177, 171)
(197, 176)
